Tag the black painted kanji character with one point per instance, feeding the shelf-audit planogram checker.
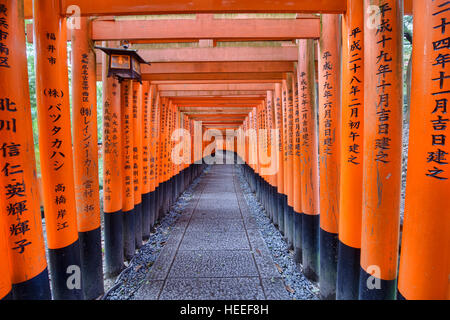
(441, 104)
(9, 170)
(383, 143)
(441, 44)
(440, 124)
(438, 157)
(21, 245)
(10, 150)
(19, 228)
(4, 49)
(442, 60)
(352, 159)
(7, 105)
(17, 208)
(60, 199)
(443, 25)
(435, 172)
(438, 139)
(441, 79)
(17, 189)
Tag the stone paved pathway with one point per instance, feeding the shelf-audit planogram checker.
(215, 250)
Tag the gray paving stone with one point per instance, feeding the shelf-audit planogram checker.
(149, 290)
(213, 289)
(275, 289)
(213, 264)
(208, 240)
(200, 224)
(218, 213)
(162, 265)
(262, 255)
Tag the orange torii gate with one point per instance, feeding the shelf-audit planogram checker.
(354, 206)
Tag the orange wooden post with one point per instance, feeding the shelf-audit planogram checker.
(137, 161)
(289, 213)
(425, 255)
(280, 152)
(271, 149)
(297, 169)
(152, 154)
(112, 173)
(55, 143)
(329, 150)
(163, 160)
(146, 151)
(351, 164)
(85, 147)
(286, 172)
(127, 125)
(383, 98)
(156, 154)
(22, 252)
(309, 178)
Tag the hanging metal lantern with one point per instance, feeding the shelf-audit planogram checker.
(124, 64)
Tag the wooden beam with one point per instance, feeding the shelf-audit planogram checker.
(145, 7)
(253, 76)
(212, 86)
(213, 81)
(206, 27)
(221, 54)
(217, 67)
(212, 93)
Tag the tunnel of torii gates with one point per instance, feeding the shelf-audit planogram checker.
(316, 124)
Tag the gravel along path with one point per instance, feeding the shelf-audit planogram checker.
(131, 279)
(296, 284)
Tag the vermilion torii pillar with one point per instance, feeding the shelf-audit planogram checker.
(55, 143)
(286, 172)
(329, 150)
(137, 160)
(383, 100)
(289, 218)
(310, 183)
(280, 159)
(351, 162)
(127, 135)
(23, 262)
(425, 256)
(112, 173)
(155, 154)
(84, 111)
(146, 151)
(297, 168)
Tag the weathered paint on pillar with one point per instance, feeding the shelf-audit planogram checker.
(289, 225)
(23, 262)
(146, 151)
(425, 257)
(383, 97)
(280, 151)
(298, 215)
(309, 174)
(127, 125)
(137, 160)
(329, 150)
(351, 164)
(55, 144)
(112, 173)
(85, 147)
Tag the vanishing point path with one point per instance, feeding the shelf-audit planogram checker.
(215, 250)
